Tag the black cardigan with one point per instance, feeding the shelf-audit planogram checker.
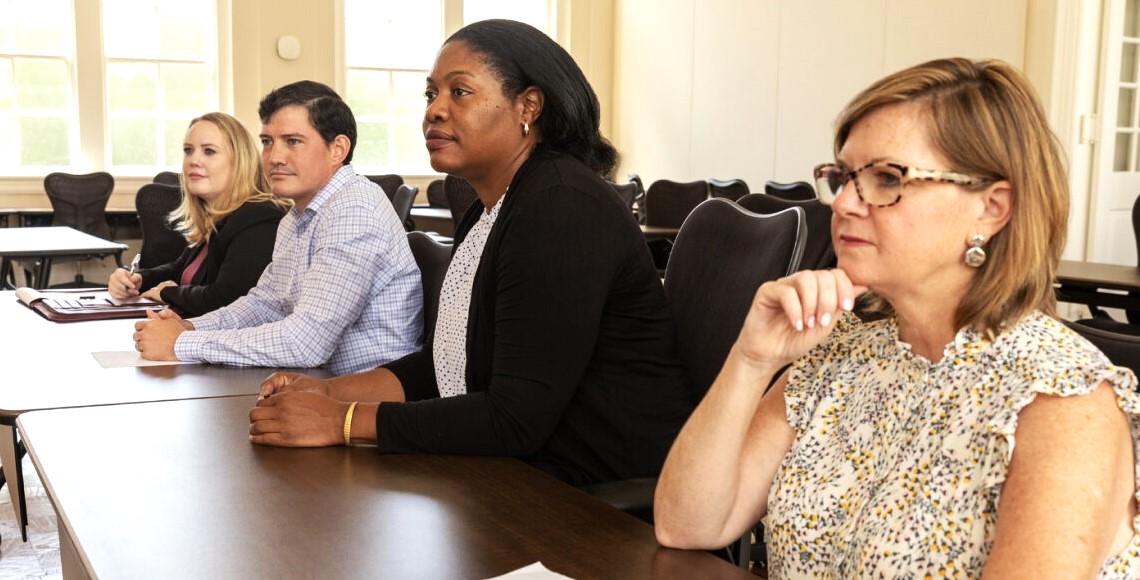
(572, 360)
(240, 250)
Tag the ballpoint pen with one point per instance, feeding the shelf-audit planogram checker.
(134, 265)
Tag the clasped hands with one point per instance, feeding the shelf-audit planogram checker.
(296, 410)
(155, 337)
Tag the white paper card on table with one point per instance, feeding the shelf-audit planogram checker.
(113, 359)
(535, 571)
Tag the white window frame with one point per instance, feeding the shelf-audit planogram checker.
(90, 121)
(452, 14)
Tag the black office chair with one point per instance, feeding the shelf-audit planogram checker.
(435, 194)
(388, 182)
(432, 257)
(1103, 320)
(460, 196)
(161, 243)
(819, 252)
(80, 201)
(732, 189)
(627, 192)
(1121, 349)
(797, 190)
(667, 204)
(402, 200)
(639, 199)
(168, 178)
(722, 254)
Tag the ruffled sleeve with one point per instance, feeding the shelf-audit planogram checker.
(1056, 361)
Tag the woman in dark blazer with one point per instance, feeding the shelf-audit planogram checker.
(554, 342)
(229, 220)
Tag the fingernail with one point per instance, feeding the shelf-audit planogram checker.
(811, 322)
(825, 319)
(799, 326)
(848, 304)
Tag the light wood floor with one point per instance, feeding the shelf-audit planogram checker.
(39, 556)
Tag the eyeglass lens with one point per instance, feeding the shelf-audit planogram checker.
(875, 184)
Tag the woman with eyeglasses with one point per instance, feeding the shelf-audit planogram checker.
(961, 430)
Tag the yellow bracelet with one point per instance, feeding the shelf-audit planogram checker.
(348, 424)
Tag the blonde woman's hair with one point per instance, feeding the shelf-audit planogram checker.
(985, 118)
(198, 221)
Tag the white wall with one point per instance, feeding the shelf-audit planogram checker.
(750, 88)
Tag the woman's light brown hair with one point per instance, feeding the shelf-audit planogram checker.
(198, 220)
(985, 118)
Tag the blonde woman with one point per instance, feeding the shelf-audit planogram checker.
(229, 219)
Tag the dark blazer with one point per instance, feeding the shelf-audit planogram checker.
(572, 360)
(239, 250)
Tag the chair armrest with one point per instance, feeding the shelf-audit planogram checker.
(632, 496)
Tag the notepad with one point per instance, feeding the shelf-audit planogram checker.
(87, 305)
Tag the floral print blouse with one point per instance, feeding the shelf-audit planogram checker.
(898, 463)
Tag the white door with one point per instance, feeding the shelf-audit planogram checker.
(1116, 165)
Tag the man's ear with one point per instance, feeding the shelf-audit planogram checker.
(339, 148)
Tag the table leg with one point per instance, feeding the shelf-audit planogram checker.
(14, 475)
(6, 271)
(43, 275)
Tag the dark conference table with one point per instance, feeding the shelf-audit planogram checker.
(176, 490)
(49, 365)
(1105, 285)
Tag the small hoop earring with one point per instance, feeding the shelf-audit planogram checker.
(976, 254)
(526, 129)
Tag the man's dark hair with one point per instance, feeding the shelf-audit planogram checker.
(328, 113)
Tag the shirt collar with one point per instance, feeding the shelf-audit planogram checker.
(342, 177)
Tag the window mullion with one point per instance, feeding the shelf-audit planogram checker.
(87, 75)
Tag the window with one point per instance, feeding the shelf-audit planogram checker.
(138, 69)
(1127, 156)
(37, 49)
(159, 72)
(389, 48)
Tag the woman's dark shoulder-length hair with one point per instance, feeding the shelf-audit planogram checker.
(521, 56)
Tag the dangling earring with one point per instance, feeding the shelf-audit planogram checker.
(976, 254)
(526, 129)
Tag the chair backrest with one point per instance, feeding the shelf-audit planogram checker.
(432, 257)
(668, 203)
(435, 195)
(1121, 349)
(460, 196)
(1133, 316)
(168, 178)
(722, 254)
(626, 191)
(402, 201)
(819, 252)
(161, 244)
(80, 201)
(730, 188)
(639, 199)
(388, 182)
(797, 190)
